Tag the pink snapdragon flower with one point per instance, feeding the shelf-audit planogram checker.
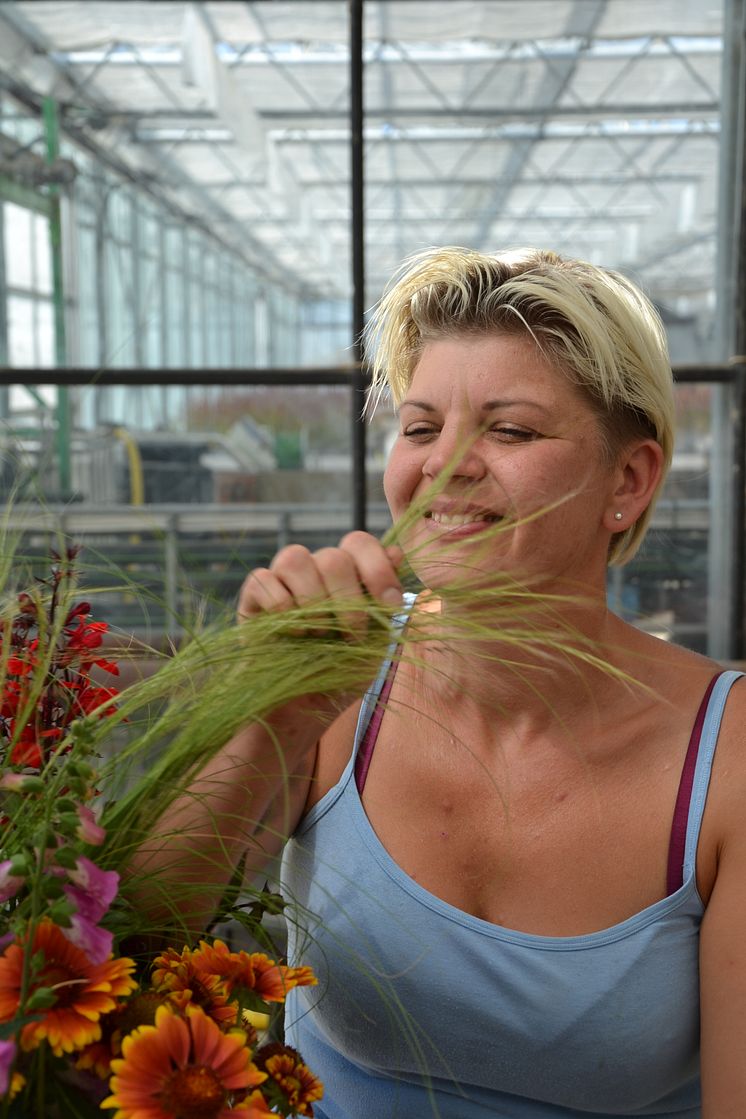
(94, 889)
(92, 892)
(7, 1056)
(89, 830)
(12, 782)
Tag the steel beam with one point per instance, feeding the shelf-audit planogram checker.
(723, 373)
(357, 178)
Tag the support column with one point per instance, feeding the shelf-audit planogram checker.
(357, 389)
(727, 593)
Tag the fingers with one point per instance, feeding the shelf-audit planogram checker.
(375, 566)
(262, 592)
(338, 576)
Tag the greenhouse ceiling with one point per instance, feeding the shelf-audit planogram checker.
(588, 126)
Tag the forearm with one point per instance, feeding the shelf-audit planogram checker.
(249, 798)
(244, 804)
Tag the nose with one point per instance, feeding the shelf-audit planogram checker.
(456, 454)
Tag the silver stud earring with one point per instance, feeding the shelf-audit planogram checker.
(618, 516)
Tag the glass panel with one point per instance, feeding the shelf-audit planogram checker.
(326, 332)
(19, 260)
(120, 310)
(196, 319)
(119, 215)
(88, 281)
(45, 348)
(42, 255)
(244, 319)
(21, 349)
(174, 236)
(212, 325)
(665, 587)
(175, 319)
(151, 311)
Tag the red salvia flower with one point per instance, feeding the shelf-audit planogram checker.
(68, 691)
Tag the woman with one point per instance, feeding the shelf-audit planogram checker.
(503, 867)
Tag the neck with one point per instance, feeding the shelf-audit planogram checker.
(528, 651)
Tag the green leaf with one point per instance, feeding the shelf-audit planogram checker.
(41, 999)
(66, 857)
(11, 1029)
(231, 894)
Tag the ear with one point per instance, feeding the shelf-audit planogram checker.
(636, 478)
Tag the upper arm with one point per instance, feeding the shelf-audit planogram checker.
(332, 755)
(723, 932)
(321, 770)
(283, 815)
(723, 987)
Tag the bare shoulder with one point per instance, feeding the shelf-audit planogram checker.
(669, 671)
(681, 678)
(333, 754)
(678, 679)
(729, 769)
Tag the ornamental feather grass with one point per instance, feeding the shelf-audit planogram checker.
(230, 675)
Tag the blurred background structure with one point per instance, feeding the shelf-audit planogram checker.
(199, 201)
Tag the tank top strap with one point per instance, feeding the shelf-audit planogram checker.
(374, 701)
(713, 717)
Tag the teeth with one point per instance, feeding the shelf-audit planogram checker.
(452, 520)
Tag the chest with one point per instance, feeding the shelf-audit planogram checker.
(443, 1005)
(540, 837)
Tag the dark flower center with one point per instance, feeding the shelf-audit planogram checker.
(66, 984)
(138, 1011)
(193, 1093)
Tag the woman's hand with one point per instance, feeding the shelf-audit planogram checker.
(339, 577)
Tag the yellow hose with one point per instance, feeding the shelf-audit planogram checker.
(137, 481)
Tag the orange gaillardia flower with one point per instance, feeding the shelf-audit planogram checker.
(291, 1084)
(256, 1107)
(83, 991)
(252, 970)
(139, 1010)
(177, 977)
(182, 1067)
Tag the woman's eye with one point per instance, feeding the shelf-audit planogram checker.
(418, 431)
(514, 434)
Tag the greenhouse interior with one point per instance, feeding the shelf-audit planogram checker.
(201, 202)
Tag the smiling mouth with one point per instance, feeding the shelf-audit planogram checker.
(457, 520)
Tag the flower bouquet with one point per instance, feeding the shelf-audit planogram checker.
(183, 1032)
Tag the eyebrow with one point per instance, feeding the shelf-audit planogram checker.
(488, 406)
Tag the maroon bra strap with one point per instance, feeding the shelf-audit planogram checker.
(365, 752)
(677, 845)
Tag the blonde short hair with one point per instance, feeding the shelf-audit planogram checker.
(591, 322)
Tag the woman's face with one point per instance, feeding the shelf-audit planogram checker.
(519, 438)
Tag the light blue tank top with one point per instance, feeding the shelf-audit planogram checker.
(423, 1010)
